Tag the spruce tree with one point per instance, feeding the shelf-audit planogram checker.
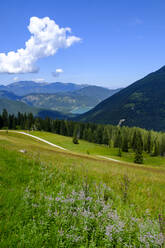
(118, 139)
(85, 134)
(119, 142)
(156, 148)
(63, 130)
(5, 118)
(75, 140)
(134, 140)
(37, 124)
(138, 159)
(89, 135)
(1, 122)
(105, 136)
(75, 135)
(125, 143)
(162, 146)
(99, 135)
(149, 142)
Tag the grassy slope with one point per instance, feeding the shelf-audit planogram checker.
(94, 149)
(29, 181)
(147, 182)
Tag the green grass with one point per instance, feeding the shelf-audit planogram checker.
(95, 149)
(40, 203)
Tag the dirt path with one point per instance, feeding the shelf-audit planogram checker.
(40, 139)
(102, 158)
(51, 144)
(117, 161)
(112, 159)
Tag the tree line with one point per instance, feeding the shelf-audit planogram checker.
(124, 138)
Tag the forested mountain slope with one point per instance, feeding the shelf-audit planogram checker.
(141, 104)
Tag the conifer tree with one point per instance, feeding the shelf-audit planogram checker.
(94, 137)
(47, 124)
(5, 118)
(76, 135)
(89, 135)
(75, 140)
(63, 130)
(134, 140)
(156, 148)
(125, 143)
(139, 149)
(85, 134)
(162, 146)
(119, 142)
(37, 124)
(149, 142)
(1, 122)
(99, 135)
(105, 136)
(118, 139)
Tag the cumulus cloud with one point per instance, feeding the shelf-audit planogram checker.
(46, 38)
(57, 72)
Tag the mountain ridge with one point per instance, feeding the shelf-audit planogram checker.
(68, 98)
(21, 88)
(140, 104)
(84, 98)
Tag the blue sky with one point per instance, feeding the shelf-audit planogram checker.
(121, 41)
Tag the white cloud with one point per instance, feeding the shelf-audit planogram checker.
(46, 38)
(39, 80)
(57, 72)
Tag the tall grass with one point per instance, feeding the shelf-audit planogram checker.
(47, 205)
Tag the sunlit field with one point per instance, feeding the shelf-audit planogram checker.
(55, 198)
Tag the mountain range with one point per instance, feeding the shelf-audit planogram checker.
(141, 104)
(22, 88)
(76, 102)
(65, 98)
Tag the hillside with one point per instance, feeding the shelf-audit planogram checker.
(13, 107)
(98, 92)
(78, 101)
(64, 102)
(8, 95)
(51, 197)
(141, 104)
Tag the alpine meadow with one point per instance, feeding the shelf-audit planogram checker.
(82, 124)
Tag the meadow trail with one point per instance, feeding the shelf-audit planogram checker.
(112, 159)
(60, 147)
(40, 139)
(96, 157)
